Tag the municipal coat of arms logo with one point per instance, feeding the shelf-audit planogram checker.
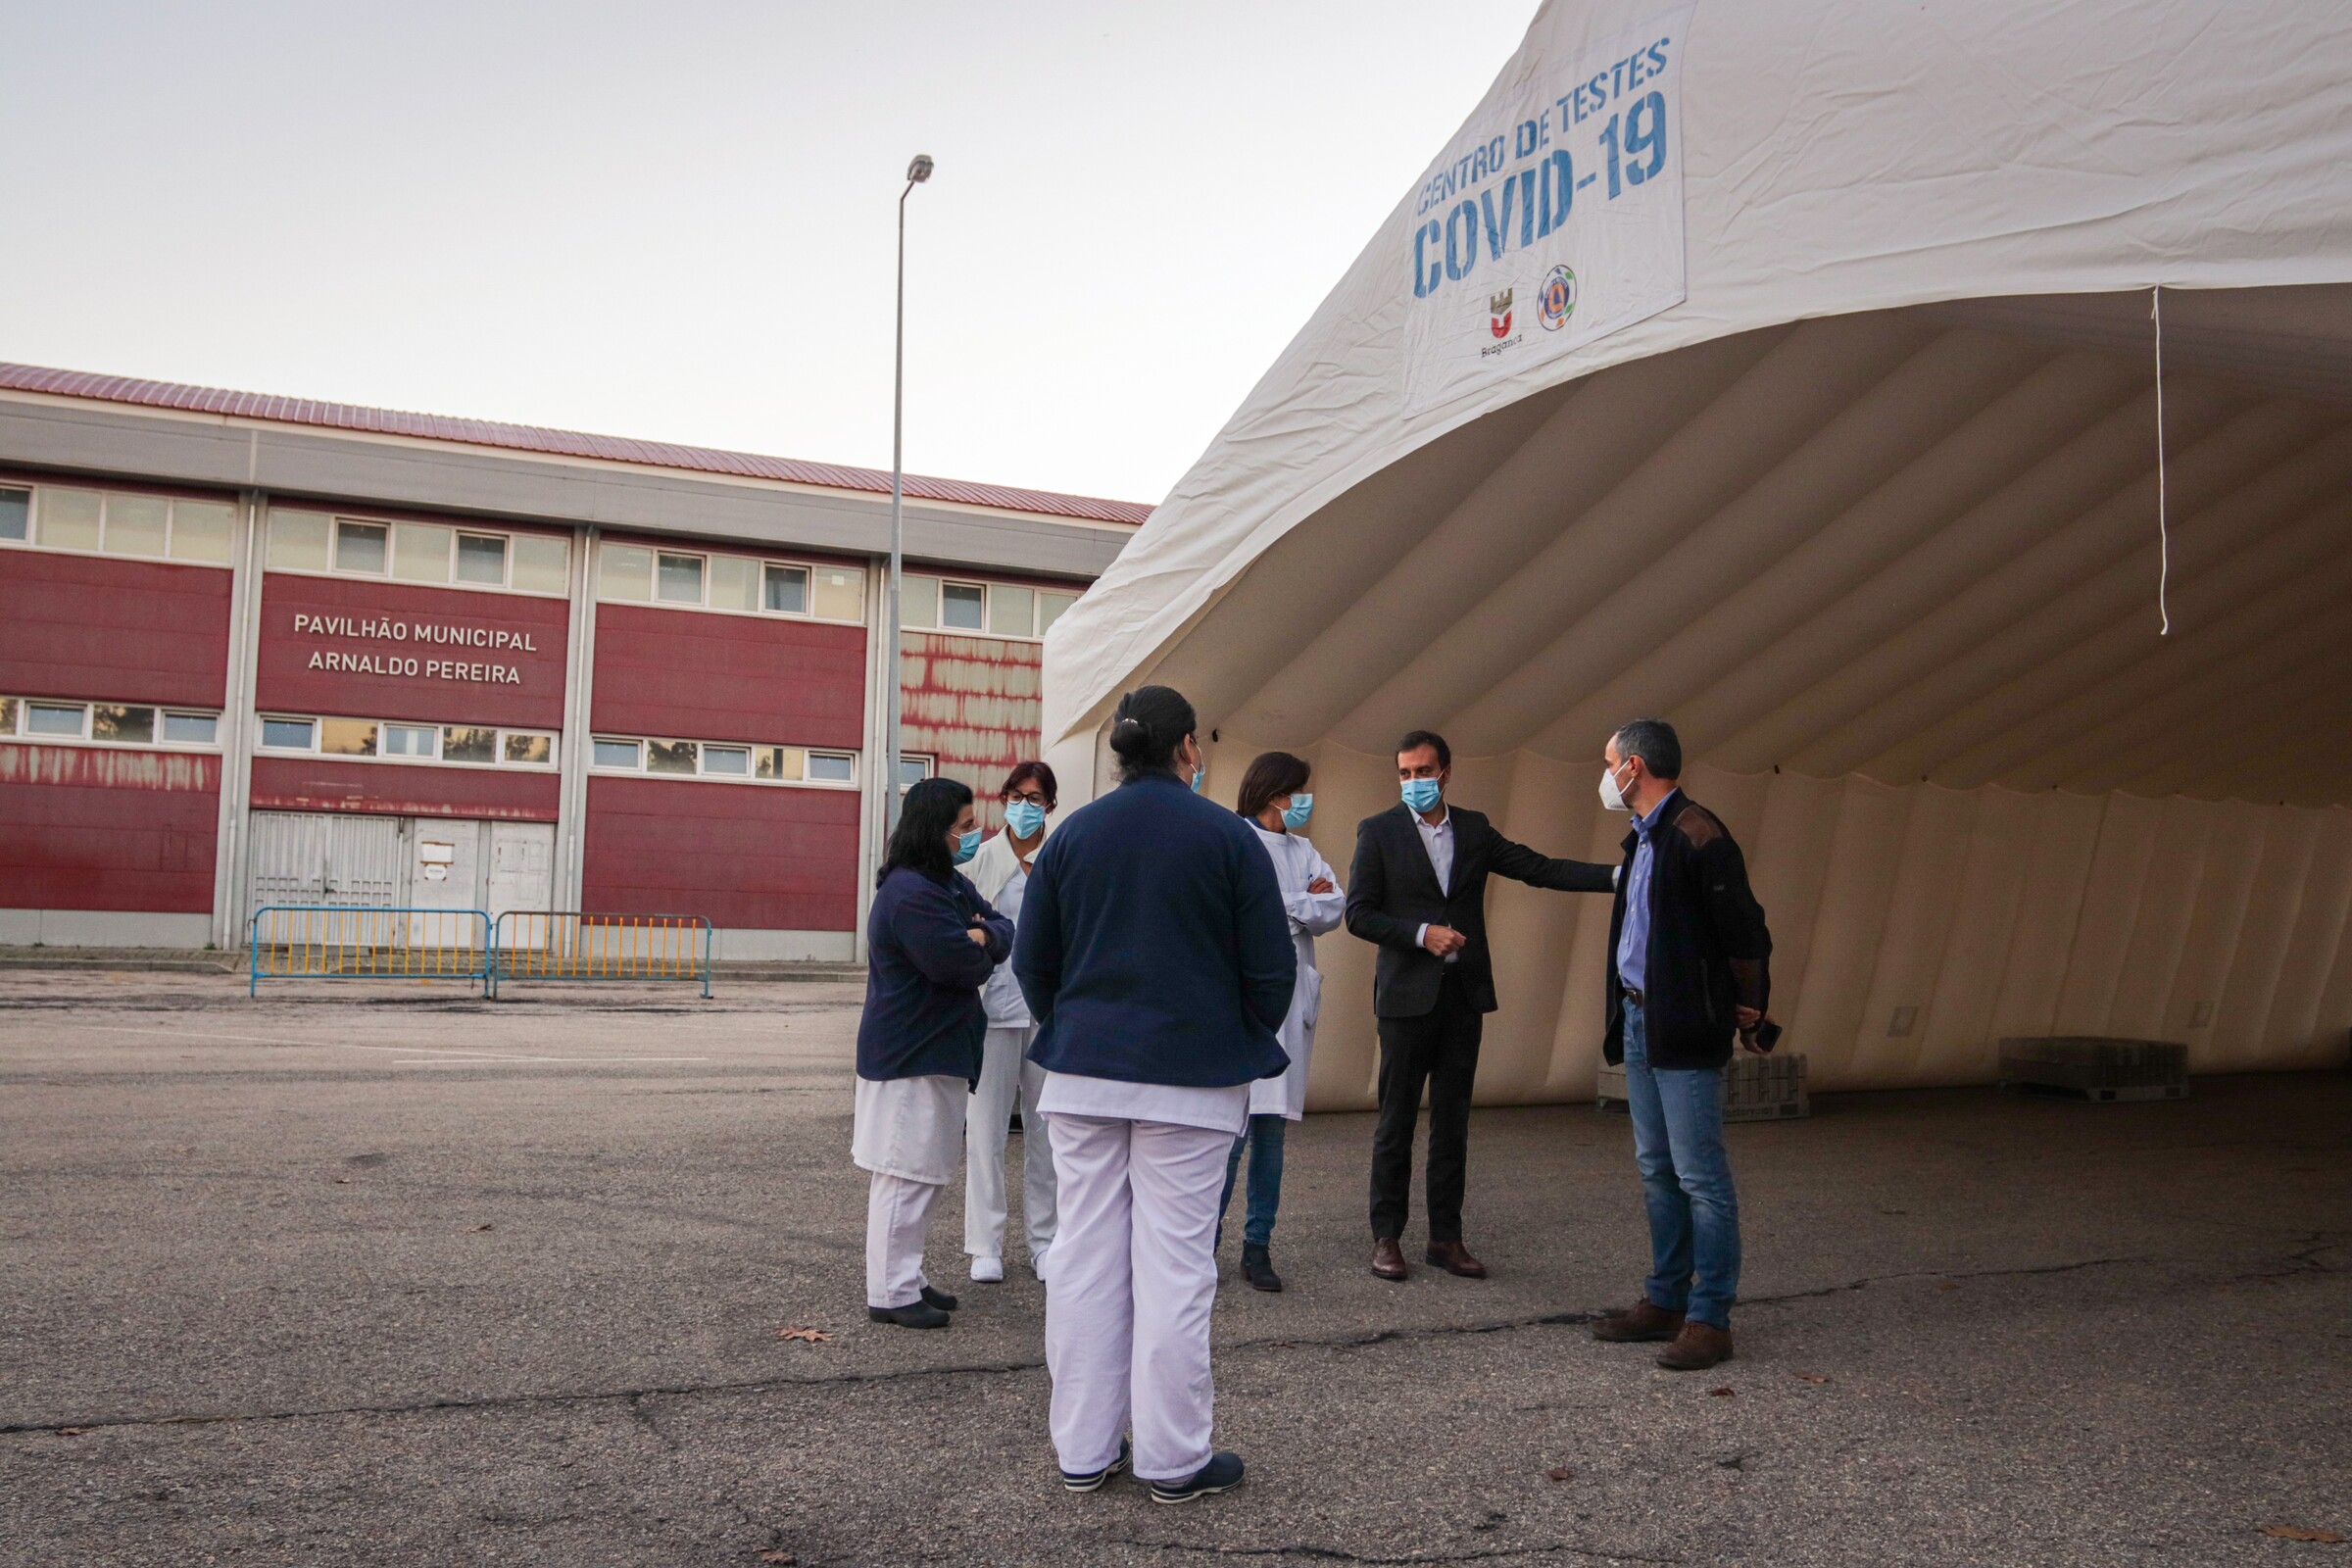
(1498, 312)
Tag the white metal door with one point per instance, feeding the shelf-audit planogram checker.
(445, 871)
(522, 866)
(323, 857)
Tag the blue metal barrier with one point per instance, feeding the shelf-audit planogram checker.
(350, 942)
(566, 945)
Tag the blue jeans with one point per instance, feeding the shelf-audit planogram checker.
(1264, 1138)
(1686, 1181)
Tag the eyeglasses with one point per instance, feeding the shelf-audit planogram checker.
(1033, 797)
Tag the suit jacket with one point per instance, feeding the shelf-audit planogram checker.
(1393, 891)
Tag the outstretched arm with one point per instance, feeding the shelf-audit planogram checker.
(1523, 864)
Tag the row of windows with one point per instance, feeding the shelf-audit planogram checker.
(164, 528)
(724, 760)
(420, 552)
(636, 573)
(391, 740)
(997, 608)
(160, 528)
(106, 724)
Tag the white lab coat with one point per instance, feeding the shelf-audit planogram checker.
(1312, 914)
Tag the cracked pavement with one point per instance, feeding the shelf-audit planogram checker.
(395, 1276)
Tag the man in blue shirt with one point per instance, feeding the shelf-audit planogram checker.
(1689, 970)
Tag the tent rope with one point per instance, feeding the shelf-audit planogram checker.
(2164, 539)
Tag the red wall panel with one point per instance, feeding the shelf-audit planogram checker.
(142, 631)
(388, 630)
(698, 675)
(747, 856)
(976, 703)
(90, 828)
(402, 789)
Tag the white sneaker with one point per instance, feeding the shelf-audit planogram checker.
(1037, 1259)
(988, 1271)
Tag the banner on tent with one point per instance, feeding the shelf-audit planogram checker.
(1555, 217)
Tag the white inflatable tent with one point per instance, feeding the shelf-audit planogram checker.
(1787, 369)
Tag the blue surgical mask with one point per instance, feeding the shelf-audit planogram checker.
(1198, 774)
(967, 846)
(1421, 794)
(1295, 815)
(1024, 818)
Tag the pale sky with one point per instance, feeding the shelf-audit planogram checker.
(675, 220)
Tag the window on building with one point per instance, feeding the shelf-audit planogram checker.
(411, 740)
(734, 583)
(15, 514)
(200, 531)
(289, 734)
(918, 602)
(1011, 611)
(1049, 608)
(913, 769)
(420, 551)
(68, 720)
(787, 590)
(616, 754)
(137, 525)
(832, 767)
(482, 559)
(469, 743)
(783, 763)
(298, 540)
(360, 547)
(730, 761)
(542, 566)
(669, 756)
(963, 606)
(680, 580)
(625, 572)
(8, 716)
(122, 723)
(841, 593)
(192, 729)
(346, 737)
(67, 520)
(531, 749)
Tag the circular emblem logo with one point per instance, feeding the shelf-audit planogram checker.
(1558, 299)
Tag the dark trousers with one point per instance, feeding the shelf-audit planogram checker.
(1439, 1048)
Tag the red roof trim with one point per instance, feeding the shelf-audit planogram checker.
(557, 443)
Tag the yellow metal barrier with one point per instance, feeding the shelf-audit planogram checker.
(342, 942)
(565, 945)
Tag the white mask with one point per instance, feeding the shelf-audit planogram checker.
(1611, 796)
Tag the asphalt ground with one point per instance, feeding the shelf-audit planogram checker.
(398, 1276)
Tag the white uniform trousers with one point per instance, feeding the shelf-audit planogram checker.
(1007, 1074)
(1128, 1298)
(897, 1212)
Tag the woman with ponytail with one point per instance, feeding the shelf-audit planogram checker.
(1156, 954)
(931, 942)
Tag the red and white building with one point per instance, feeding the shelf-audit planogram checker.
(259, 651)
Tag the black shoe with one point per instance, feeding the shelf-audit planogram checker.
(913, 1315)
(1257, 1267)
(1091, 1481)
(1222, 1473)
(939, 1298)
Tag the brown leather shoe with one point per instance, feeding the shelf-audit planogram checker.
(1454, 1258)
(1644, 1322)
(1388, 1258)
(1699, 1346)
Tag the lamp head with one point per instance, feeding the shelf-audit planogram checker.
(920, 170)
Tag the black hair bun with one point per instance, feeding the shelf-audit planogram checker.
(1130, 737)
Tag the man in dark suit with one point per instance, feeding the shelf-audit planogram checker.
(1419, 889)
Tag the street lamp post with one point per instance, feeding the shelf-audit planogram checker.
(916, 173)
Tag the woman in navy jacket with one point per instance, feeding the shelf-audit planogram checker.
(1155, 956)
(931, 940)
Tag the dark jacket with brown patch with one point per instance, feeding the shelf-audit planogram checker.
(1709, 952)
